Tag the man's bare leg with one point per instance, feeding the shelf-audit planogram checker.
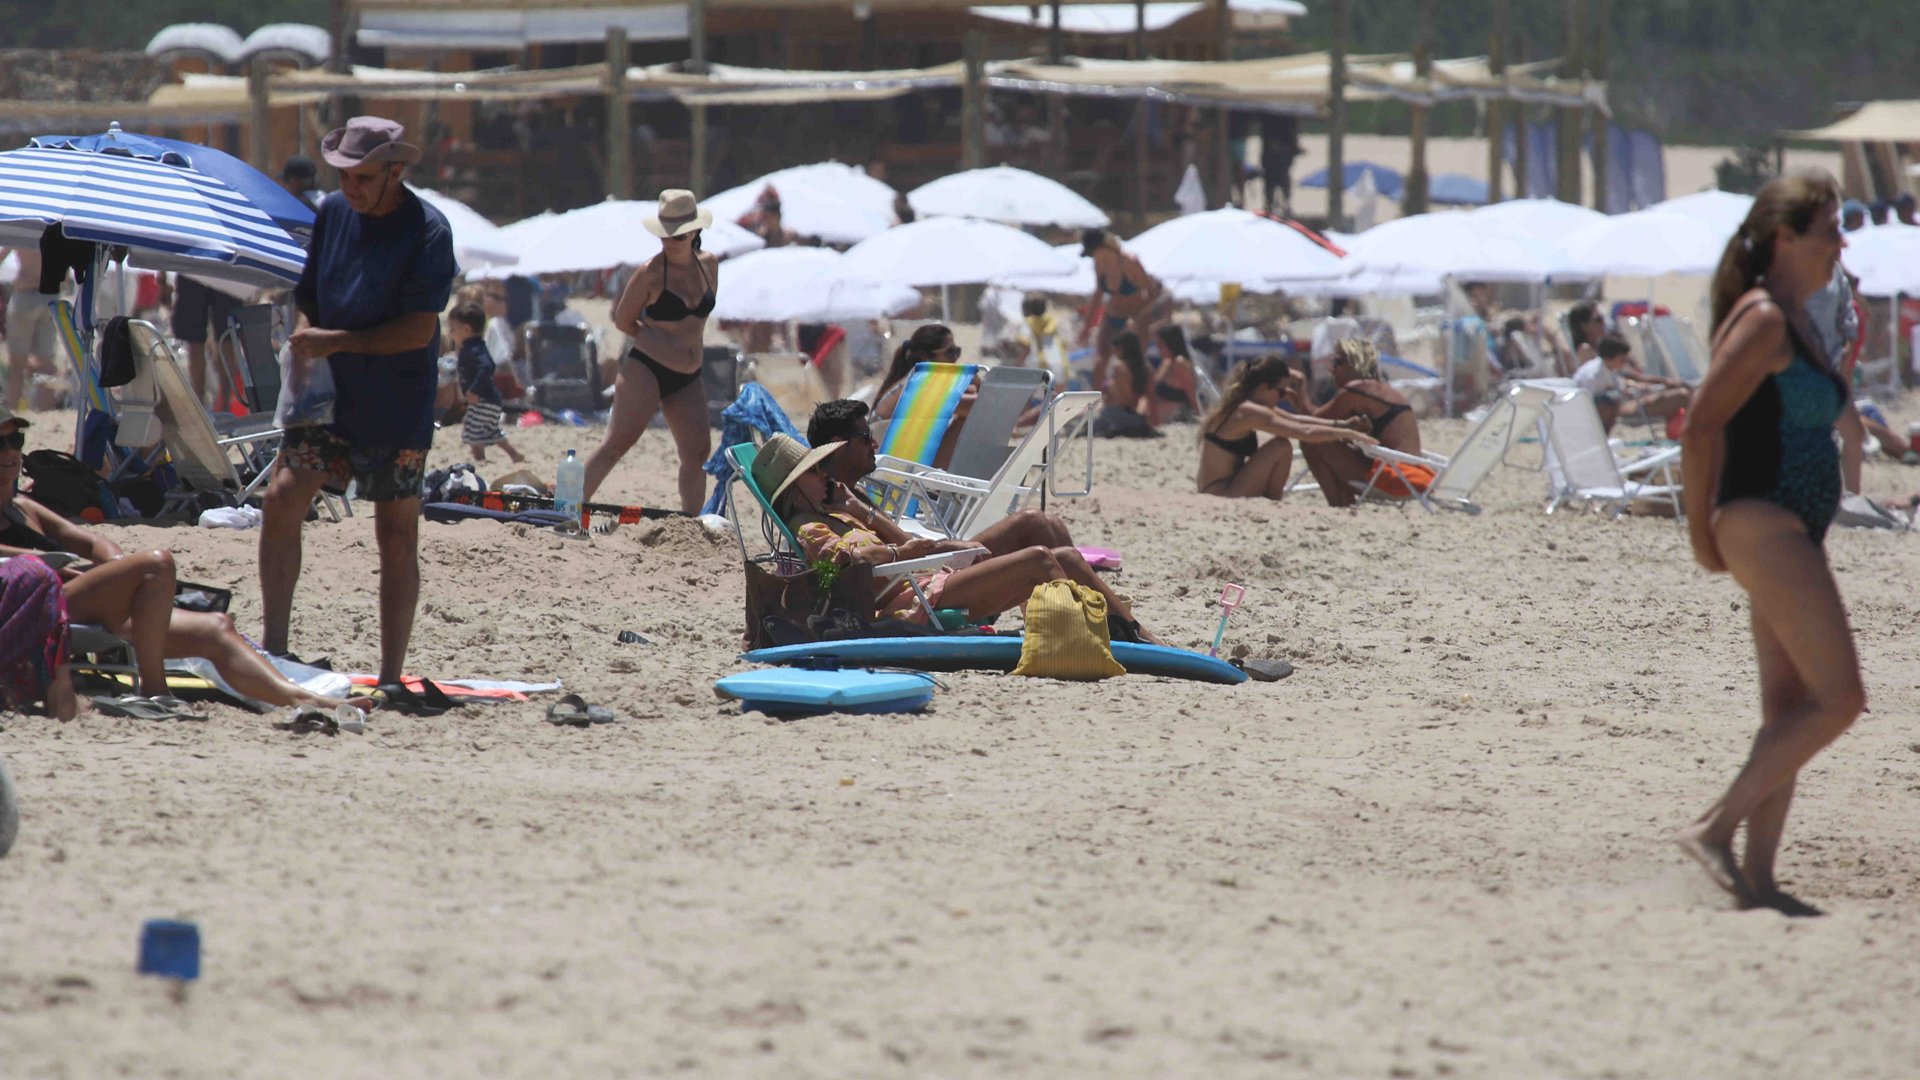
(396, 528)
(289, 494)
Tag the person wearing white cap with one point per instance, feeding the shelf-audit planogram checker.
(663, 311)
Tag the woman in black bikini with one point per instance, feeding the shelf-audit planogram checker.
(1762, 483)
(1364, 396)
(1131, 382)
(1233, 463)
(1175, 397)
(661, 370)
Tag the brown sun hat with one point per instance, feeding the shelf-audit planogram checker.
(679, 213)
(367, 140)
(784, 459)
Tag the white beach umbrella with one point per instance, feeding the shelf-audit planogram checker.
(952, 251)
(1724, 210)
(1646, 243)
(1233, 245)
(833, 202)
(1004, 193)
(1886, 259)
(1077, 282)
(606, 235)
(1449, 244)
(803, 284)
(1537, 225)
(1372, 283)
(477, 242)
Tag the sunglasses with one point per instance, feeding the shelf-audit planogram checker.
(864, 435)
(953, 352)
(14, 441)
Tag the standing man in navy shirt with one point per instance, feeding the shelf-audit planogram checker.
(378, 274)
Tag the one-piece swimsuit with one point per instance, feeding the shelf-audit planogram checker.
(1780, 444)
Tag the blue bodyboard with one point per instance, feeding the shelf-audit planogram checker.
(994, 652)
(851, 690)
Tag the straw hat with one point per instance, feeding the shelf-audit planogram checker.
(784, 459)
(367, 140)
(679, 213)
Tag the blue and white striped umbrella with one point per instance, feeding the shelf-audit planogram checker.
(173, 217)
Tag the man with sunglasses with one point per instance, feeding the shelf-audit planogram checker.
(378, 274)
(847, 421)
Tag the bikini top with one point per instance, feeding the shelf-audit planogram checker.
(18, 534)
(1126, 286)
(1380, 422)
(1242, 447)
(669, 307)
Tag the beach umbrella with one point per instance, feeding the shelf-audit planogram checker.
(606, 235)
(1077, 282)
(287, 210)
(1885, 258)
(836, 203)
(1724, 210)
(803, 284)
(1457, 189)
(952, 251)
(1646, 243)
(1004, 193)
(1452, 245)
(1385, 180)
(1372, 283)
(1233, 245)
(1538, 225)
(477, 242)
(172, 216)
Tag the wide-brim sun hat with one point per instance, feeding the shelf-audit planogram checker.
(367, 140)
(784, 459)
(679, 213)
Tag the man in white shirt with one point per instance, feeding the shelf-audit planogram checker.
(1620, 388)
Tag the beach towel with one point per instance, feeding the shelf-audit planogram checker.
(753, 410)
(1388, 482)
(34, 635)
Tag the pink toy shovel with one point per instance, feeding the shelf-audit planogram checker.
(1229, 599)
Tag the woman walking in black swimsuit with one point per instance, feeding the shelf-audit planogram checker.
(1233, 463)
(1762, 484)
(1366, 396)
(661, 370)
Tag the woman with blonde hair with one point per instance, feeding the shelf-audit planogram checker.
(1233, 463)
(1364, 395)
(1762, 480)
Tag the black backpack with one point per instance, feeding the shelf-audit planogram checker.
(65, 485)
(116, 353)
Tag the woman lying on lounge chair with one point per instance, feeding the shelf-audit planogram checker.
(1233, 463)
(1364, 395)
(833, 524)
(132, 596)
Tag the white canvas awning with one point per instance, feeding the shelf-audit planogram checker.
(513, 30)
(1877, 121)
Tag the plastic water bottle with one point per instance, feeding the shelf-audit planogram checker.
(570, 486)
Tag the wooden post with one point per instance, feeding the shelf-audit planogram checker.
(1496, 107)
(1337, 117)
(1138, 202)
(1595, 67)
(697, 136)
(619, 121)
(1228, 169)
(258, 119)
(1415, 199)
(1053, 36)
(1567, 149)
(1139, 29)
(973, 102)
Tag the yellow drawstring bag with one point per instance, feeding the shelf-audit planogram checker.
(1067, 635)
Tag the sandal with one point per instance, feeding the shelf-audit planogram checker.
(162, 707)
(1262, 670)
(573, 710)
(301, 719)
(429, 701)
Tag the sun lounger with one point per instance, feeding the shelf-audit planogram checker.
(925, 410)
(1516, 411)
(1582, 467)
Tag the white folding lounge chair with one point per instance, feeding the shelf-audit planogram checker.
(1516, 410)
(1582, 467)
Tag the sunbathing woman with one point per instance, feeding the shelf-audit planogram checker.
(831, 523)
(132, 595)
(1175, 397)
(1363, 395)
(1762, 485)
(1132, 296)
(930, 344)
(1232, 461)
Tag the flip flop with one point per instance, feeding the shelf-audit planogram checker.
(430, 700)
(1263, 670)
(574, 711)
(301, 719)
(140, 708)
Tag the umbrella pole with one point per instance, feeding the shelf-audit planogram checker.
(946, 315)
(1893, 343)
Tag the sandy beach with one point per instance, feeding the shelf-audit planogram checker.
(1440, 849)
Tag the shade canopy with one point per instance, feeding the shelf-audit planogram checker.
(1233, 245)
(1876, 121)
(287, 210)
(1646, 243)
(477, 242)
(1886, 259)
(172, 216)
(952, 251)
(1453, 245)
(803, 284)
(838, 204)
(1724, 210)
(1457, 189)
(1004, 193)
(606, 235)
(1077, 282)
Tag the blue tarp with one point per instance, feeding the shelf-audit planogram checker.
(754, 410)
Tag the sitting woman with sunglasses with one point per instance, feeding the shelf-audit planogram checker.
(1233, 461)
(132, 595)
(930, 344)
(835, 525)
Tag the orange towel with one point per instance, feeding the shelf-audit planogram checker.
(1387, 482)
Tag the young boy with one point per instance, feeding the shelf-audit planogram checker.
(482, 426)
(1620, 388)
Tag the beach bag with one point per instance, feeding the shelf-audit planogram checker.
(1067, 636)
(116, 353)
(65, 485)
(306, 392)
(795, 595)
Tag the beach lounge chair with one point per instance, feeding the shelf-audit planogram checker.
(1582, 467)
(925, 410)
(1005, 395)
(788, 556)
(1515, 412)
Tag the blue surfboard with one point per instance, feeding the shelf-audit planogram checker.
(850, 690)
(994, 652)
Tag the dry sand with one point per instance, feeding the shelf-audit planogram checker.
(1439, 849)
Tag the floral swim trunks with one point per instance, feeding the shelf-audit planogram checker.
(384, 474)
